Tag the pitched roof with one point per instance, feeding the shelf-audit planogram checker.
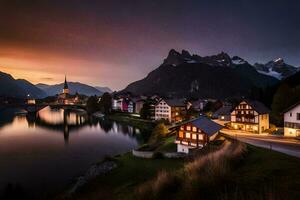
(291, 107)
(207, 125)
(224, 110)
(175, 102)
(257, 106)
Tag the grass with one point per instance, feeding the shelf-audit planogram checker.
(229, 173)
(218, 172)
(168, 145)
(120, 183)
(196, 178)
(132, 120)
(268, 174)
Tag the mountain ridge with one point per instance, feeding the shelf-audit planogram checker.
(183, 74)
(74, 87)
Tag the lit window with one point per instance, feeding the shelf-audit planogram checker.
(181, 134)
(187, 135)
(194, 136)
(188, 128)
(181, 128)
(200, 137)
(194, 129)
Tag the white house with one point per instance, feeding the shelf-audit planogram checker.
(162, 110)
(170, 109)
(292, 121)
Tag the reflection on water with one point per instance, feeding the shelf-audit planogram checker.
(48, 149)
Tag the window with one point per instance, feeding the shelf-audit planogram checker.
(200, 137)
(188, 128)
(181, 128)
(298, 116)
(291, 114)
(194, 136)
(194, 129)
(187, 135)
(181, 134)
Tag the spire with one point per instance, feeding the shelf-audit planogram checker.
(66, 84)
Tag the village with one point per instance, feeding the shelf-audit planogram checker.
(198, 121)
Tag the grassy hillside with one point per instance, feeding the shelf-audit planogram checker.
(255, 174)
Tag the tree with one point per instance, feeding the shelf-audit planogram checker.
(282, 99)
(92, 104)
(159, 132)
(146, 111)
(105, 103)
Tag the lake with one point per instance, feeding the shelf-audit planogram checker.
(41, 154)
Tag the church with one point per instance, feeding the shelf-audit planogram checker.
(65, 97)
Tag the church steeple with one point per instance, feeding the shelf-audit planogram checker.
(66, 88)
(66, 84)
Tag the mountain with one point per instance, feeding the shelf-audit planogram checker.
(31, 89)
(18, 88)
(74, 87)
(276, 68)
(217, 76)
(293, 81)
(104, 89)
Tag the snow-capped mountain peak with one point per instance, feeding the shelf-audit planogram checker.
(278, 60)
(238, 61)
(276, 68)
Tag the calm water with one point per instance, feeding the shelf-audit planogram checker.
(43, 153)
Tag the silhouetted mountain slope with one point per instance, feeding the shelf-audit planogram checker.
(18, 88)
(216, 76)
(74, 87)
(31, 89)
(104, 89)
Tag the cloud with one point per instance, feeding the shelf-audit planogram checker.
(46, 79)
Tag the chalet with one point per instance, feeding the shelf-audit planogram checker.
(196, 133)
(292, 121)
(170, 109)
(251, 116)
(223, 113)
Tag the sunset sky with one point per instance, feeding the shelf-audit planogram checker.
(112, 43)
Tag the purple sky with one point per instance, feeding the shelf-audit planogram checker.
(112, 44)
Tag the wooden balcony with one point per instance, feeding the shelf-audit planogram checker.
(189, 142)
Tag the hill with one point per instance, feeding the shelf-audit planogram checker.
(20, 88)
(74, 87)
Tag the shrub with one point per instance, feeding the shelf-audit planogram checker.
(158, 132)
(158, 155)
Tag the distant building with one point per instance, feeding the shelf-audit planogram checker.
(117, 104)
(292, 121)
(199, 104)
(251, 116)
(196, 133)
(138, 104)
(171, 110)
(31, 101)
(223, 113)
(131, 106)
